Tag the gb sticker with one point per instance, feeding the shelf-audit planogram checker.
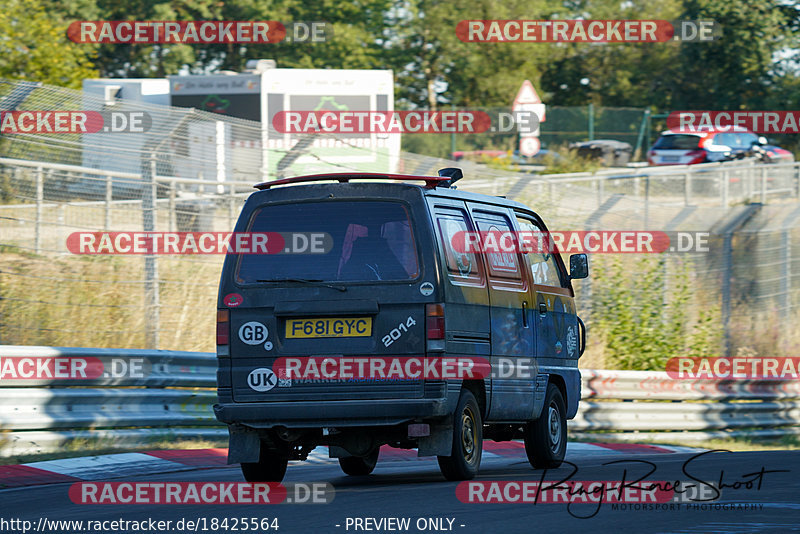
(253, 333)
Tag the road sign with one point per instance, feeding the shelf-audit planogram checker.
(529, 146)
(527, 99)
(526, 95)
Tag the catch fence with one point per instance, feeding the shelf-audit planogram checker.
(193, 170)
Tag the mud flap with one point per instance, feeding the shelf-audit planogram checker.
(244, 445)
(539, 394)
(337, 452)
(439, 443)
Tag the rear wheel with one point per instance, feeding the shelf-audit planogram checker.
(271, 467)
(465, 459)
(359, 465)
(546, 438)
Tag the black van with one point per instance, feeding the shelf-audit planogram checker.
(387, 281)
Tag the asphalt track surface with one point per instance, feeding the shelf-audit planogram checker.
(415, 489)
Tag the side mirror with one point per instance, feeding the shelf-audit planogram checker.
(578, 266)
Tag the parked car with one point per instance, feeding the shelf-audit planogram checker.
(394, 285)
(610, 152)
(688, 148)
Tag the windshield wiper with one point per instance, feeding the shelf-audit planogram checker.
(304, 281)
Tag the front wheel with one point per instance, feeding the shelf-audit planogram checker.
(465, 459)
(360, 465)
(546, 437)
(271, 467)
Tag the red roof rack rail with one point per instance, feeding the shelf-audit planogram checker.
(344, 177)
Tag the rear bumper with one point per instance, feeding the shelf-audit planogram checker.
(316, 414)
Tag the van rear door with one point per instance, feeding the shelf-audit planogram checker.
(361, 296)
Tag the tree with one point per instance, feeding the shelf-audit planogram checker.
(34, 46)
(432, 66)
(736, 71)
(613, 74)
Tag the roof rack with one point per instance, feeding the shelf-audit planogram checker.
(344, 177)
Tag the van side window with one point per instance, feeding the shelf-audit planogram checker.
(462, 266)
(544, 269)
(502, 263)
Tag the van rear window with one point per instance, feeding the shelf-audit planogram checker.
(371, 241)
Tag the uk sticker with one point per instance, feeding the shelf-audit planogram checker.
(426, 289)
(232, 300)
(261, 379)
(253, 333)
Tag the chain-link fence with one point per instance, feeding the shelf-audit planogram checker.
(563, 125)
(742, 294)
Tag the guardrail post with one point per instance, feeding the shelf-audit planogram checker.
(687, 188)
(39, 201)
(786, 277)
(728, 232)
(598, 185)
(220, 156)
(725, 186)
(763, 185)
(727, 262)
(797, 179)
(109, 194)
(150, 260)
(646, 201)
(232, 208)
(171, 214)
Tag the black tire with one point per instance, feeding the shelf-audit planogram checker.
(271, 467)
(465, 460)
(546, 437)
(359, 466)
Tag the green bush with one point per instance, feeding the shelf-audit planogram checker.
(647, 310)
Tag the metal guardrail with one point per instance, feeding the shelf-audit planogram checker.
(654, 385)
(118, 367)
(167, 395)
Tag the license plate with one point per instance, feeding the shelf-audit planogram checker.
(671, 158)
(329, 327)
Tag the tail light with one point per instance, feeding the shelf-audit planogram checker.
(698, 156)
(223, 326)
(650, 155)
(434, 321)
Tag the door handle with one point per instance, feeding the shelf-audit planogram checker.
(542, 308)
(525, 314)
